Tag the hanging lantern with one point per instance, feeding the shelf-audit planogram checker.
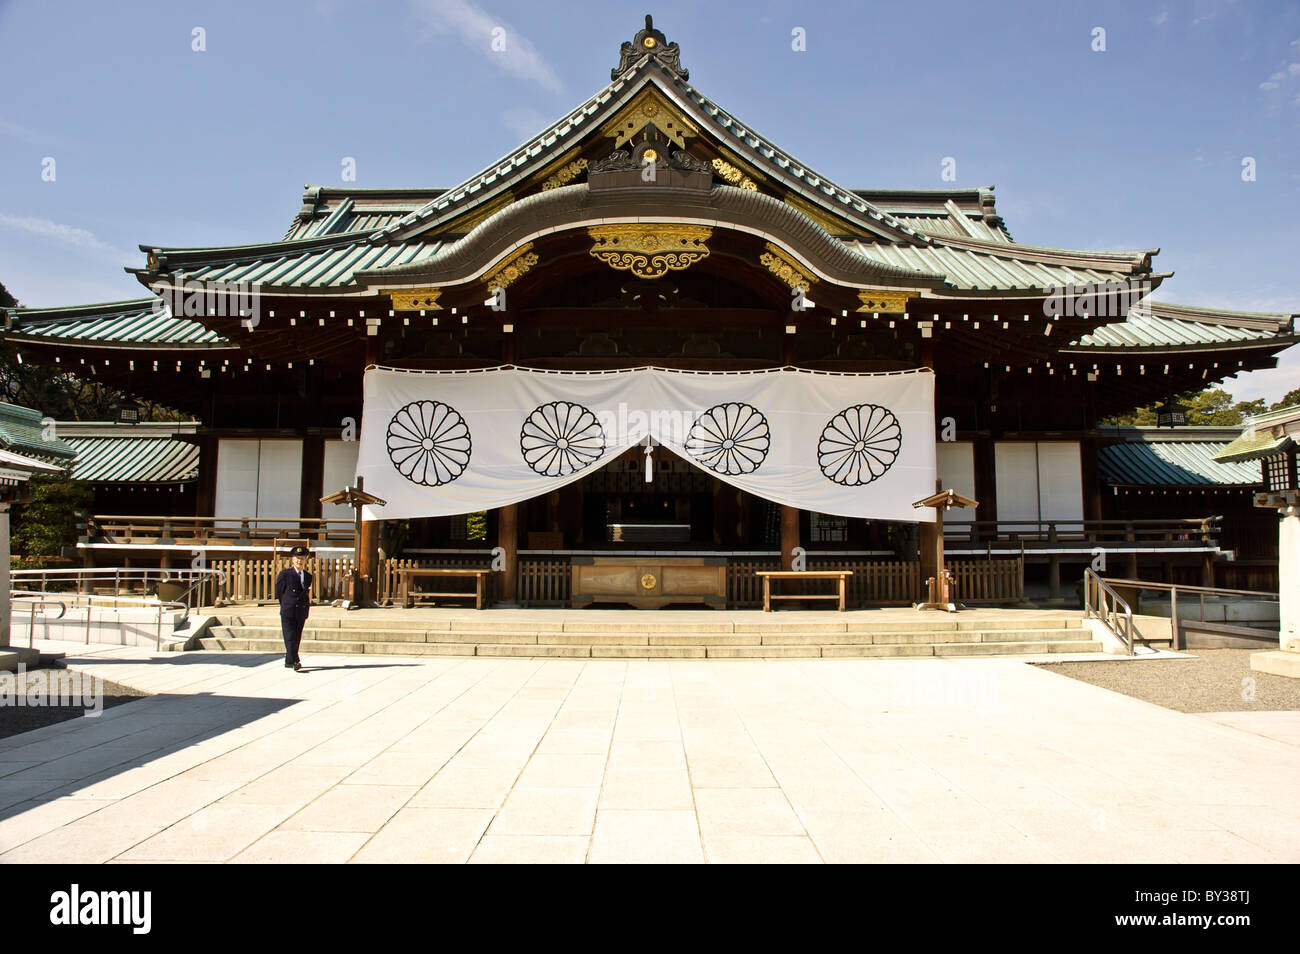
(1171, 414)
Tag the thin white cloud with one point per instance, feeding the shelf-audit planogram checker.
(1161, 18)
(1276, 80)
(479, 30)
(21, 133)
(523, 121)
(65, 234)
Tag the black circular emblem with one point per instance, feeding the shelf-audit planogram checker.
(561, 438)
(429, 443)
(859, 444)
(730, 439)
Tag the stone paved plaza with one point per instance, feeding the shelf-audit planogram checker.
(366, 759)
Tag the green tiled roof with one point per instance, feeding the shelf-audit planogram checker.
(998, 266)
(1263, 437)
(307, 265)
(1153, 325)
(153, 460)
(1184, 457)
(125, 323)
(330, 211)
(21, 431)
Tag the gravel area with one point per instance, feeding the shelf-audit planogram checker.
(41, 697)
(1214, 680)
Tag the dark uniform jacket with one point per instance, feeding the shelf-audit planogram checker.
(295, 599)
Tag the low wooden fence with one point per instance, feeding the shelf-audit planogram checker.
(253, 581)
(545, 580)
(988, 581)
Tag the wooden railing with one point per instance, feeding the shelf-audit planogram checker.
(1048, 534)
(545, 580)
(209, 531)
(996, 535)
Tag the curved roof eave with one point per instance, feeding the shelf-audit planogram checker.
(576, 206)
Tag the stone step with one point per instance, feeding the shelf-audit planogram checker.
(608, 650)
(638, 624)
(1016, 648)
(641, 638)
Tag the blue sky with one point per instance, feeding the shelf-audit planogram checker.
(1137, 146)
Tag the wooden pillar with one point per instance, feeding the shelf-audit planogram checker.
(986, 476)
(313, 476)
(205, 492)
(508, 540)
(4, 574)
(1089, 454)
(789, 535)
(929, 536)
(367, 547)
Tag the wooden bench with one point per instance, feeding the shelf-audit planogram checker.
(411, 597)
(768, 575)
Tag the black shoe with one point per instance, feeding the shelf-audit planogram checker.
(288, 665)
(297, 667)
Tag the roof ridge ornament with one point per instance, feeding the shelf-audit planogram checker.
(649, 42)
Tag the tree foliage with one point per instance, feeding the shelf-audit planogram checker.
(48, 522)
(1213, 407)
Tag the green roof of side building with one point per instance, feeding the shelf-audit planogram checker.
(1179, 457)
(23, 431)
(135, 323)
(149, 452)
(1265, 435)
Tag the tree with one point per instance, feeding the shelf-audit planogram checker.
(1213, 407)
(48, 522)
(1290, 399)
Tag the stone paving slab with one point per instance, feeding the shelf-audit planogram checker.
(528, 760)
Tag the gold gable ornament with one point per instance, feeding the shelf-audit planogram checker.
(648, 107)
(883, 302)
(564, 175)
(649, 251)
(729, 173)
(506, 275)
(776, 262)
(414, 299)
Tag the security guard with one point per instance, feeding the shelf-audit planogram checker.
(293, 590)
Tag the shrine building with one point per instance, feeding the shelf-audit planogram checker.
(835, 350)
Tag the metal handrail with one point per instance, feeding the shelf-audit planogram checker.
(1176, 627)
(162, 606)
(21, 596)
(1107, 608)
(81, 577)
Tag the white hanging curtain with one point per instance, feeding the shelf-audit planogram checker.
(450, 442)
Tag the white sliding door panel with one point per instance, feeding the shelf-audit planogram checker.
(236, 494)
(1060, 480)
(1016, 464)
